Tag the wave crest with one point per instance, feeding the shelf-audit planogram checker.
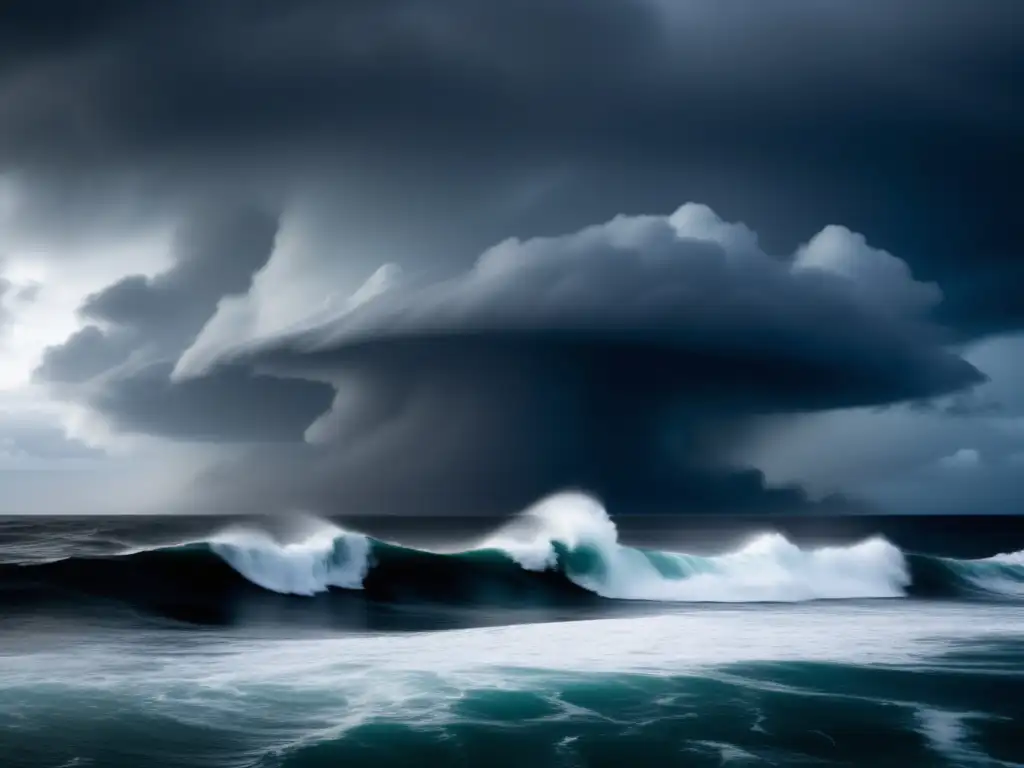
(999, 575)
(328, 556)
(573, 533)
(562, 553)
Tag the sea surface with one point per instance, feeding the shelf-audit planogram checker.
(564, 637)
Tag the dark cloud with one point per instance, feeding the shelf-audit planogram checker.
(789, 116)
(421, 132)
(215, 254)
(87, 353)
(261, 72)
(911, 458)
(123, 371)
(685, 304)
(31, 439)
(313, 479)
(629, 358)
(227, 407)
(964, 404)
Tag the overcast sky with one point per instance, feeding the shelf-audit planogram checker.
(445, 257)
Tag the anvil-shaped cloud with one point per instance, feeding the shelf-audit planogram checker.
(630, 353)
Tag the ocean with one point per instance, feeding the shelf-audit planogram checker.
(564, 637)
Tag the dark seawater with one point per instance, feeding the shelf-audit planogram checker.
(563, 638)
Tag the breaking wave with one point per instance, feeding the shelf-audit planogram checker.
(1001, 575)
(573, 533)
(328, 557)
(564, 551)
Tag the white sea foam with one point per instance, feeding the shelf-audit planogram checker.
(573, 532)
(326, 556)
(767, 568)
(1008, 558)
(302, 691)
(670, 644)
(1001, 574)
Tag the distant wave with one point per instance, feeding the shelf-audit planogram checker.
(1000, 576)
(563, 551)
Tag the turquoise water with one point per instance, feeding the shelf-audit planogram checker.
(546, 643)
(860, 683)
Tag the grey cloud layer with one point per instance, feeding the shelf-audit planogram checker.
(840, 324)
(630, 358)
(786, 115)
(262, 72)
(422, 132)
(120, 362)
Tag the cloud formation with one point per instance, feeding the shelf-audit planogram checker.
(299, 146)
(271, 75)
(119, 363)
(619, 358)
(839, 324)
(964, 458)
(459, 124)
(896, 457)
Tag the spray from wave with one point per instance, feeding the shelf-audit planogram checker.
(325, 556)
(573, 533)
(564, 552)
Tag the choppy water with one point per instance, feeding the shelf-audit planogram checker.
(548, 642)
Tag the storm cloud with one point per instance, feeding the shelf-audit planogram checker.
(119, 363)
(619, 358)
(838, 324)
(541, 320)
(460, 124)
